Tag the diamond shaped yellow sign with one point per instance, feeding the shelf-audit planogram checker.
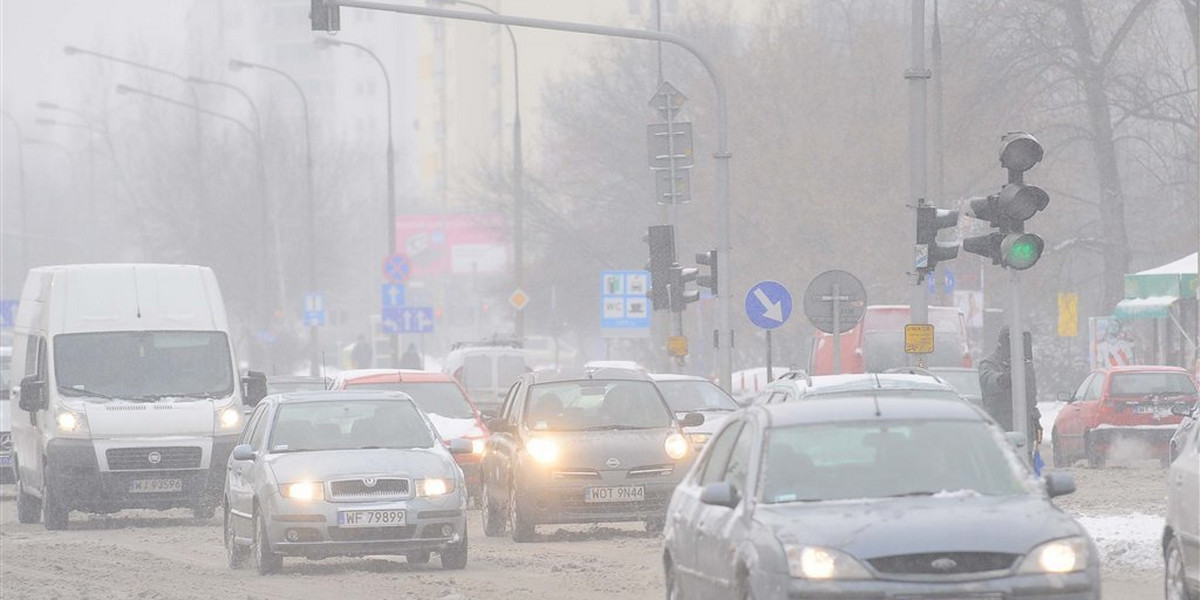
(518, 300)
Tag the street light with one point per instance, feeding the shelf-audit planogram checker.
(21, 190)
(238, 65)
(237, 90)
(323, 43)
(518, 170)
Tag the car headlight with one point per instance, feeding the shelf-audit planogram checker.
(1058, 556)
(430, 488)
(676, 446)
(699, 439)
(478, 445)
(228, 418)
(69, 421)
(303, 490)
(542, 450)
(811, 562)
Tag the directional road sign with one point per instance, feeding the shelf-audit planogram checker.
(407, 319)
(768, 304)
(820, 299)
(314, 309)
(667, 100)
(392, 295)
(8, 314)
(681, 193)
(669, 142)
(397, 267)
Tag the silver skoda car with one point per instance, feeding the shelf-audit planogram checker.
(319, 474)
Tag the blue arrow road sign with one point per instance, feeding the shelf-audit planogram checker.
(407, 319)
(397, 267)
(768, 304)
(8, 314)
(392, 294)
(314, 309)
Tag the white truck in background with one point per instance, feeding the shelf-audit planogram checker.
(128, 393)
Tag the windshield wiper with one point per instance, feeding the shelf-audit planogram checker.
(68, 391)
(613, 428)
(907, 494)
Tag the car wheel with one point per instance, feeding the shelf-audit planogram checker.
(265, 560)
(29, 508)
(454, 557)
(1176, 586)
(655, 525)
(237, 554)
(674, 590)
(417, 557)
(55, 513)
(1060, 457)
(522, 529)
(745, 590)
(204, 511)
(490, 514)
(1096, 458)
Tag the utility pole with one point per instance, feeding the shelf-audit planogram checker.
(917, 77)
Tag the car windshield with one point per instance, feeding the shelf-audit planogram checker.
(966, 382)
(1145, 384)
(435, 397)
(594, 405)
(275, 386)
(347, 425)
(876, 459)
(685, 396)
(144, 365)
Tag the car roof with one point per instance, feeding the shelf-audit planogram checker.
(341, 395)
(823, 384)
(296, 378)
(1146, 369)
(356, 376)
(584, 375)
(676, 377)
(867, 407)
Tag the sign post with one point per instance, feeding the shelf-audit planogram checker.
(768, 305)
(834, 302)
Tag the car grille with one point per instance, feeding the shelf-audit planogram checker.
(140, 459)
(651, 471)
(944, 563)
(358, 489)
(5, 442)
(371, 534)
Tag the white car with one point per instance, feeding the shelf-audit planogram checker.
(689, 393)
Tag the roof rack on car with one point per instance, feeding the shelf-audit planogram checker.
(797, 374)
(914, 371)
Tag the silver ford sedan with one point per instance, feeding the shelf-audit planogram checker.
(872, 496)
(319, 474)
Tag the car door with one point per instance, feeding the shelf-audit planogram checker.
(502, 446)
(686, 510)
(1072, 421)
(1183, 499)
(717, 529)
(29, 441)
(242, 474)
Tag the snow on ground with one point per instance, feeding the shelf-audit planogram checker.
(1132, 541)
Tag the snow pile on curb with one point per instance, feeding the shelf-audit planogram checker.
(1049, 412)
(1133, 540)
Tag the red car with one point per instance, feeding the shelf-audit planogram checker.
(1123, 411)
(442, 398)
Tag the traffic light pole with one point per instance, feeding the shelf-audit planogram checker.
(1016, 356)
(917, 78)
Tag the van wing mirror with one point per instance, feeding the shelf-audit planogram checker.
(33, 394)
(255, 383)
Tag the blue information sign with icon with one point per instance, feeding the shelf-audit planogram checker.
(407, 319)
(392, 295)
(314, 309)
(624, 301)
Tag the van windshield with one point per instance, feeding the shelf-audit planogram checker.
(144, 365)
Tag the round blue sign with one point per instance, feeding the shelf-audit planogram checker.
(768, 304)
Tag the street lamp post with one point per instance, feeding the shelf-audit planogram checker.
(314, 345)
(518, 170)
(237, 90)
(21, 190)
(391, 163)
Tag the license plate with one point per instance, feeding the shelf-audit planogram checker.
(370, 518)
(153, 486)
(5, 461)
(624, 493)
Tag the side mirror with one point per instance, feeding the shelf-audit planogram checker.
(33, 394)
(1017, 439)
(460, 446)
(720, 494)
(242, 452)
(692, 420)
(498, 425)
(1065, 397)
(1059, 484)
(255, 383)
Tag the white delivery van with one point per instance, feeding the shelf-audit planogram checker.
(128, 393)
(487, 370)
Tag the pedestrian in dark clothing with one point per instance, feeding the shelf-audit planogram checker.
(361, 354)
(995, 379)
(411, 359)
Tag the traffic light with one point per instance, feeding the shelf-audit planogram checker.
(680, 295)
(661, 239)
(1008, 209)
(325, 17)
(930, 221)
(708, 259)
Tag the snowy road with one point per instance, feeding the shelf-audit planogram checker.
(152, 555)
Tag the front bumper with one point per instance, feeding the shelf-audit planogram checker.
(78, 479)
(556, 497)
(1084, 585)
(310, 529)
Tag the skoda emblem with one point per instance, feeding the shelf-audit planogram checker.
(944, 564)
(154, 458)
(612, 463)
(369, 481)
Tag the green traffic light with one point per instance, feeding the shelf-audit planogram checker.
(1022, 251)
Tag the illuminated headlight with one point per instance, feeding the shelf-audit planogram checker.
(478, 445)
(810, 562)
(71, 422)
(303, 490)
(430, 488)
(542, 450)
(676, 446)
(1059, 556)
(699, 439)
(229, 418)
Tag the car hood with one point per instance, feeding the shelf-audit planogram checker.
(950, 523)
(451, 427)
(594, 449)
(326, 465)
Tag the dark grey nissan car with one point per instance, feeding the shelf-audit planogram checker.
(872, 497)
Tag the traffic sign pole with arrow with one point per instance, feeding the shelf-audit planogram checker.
(768, 305)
